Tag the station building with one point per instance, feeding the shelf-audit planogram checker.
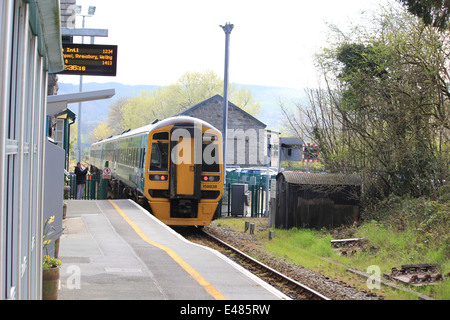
(246, 135)
(30, 50)
(34, 128)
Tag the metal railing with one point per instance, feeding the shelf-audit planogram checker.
(96, 188)
(256, 187)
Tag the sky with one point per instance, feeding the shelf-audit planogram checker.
(272, 43)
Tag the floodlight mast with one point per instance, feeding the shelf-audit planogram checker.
(91, 12)
(227, 28)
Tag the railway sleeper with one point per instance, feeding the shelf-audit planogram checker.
(417, 268)
(426, 278)
(418, 274)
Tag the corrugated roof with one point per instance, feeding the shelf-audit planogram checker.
(298, 177)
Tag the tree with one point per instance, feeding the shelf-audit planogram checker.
(243, 98)
(194, 87)
(115, 115)
(190, 89)
(384, 110)
(102, 131)
(433, 12)
(140, 110)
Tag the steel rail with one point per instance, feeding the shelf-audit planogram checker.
(260, 264)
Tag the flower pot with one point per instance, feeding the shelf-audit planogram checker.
(66, 192)
(50, 283)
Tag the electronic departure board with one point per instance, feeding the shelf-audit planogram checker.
(90, 59)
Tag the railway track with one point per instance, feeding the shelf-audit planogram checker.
(285, 284)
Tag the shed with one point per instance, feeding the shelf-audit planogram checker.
(316, 200)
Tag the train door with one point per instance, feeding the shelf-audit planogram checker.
(185, 171)
(185, 168)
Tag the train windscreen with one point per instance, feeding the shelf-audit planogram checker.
(159, 157)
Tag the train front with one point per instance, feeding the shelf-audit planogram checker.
(184, 171)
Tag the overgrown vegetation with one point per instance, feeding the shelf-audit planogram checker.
(383, 112)
(432, 12)
(406, 231)
(383, 109)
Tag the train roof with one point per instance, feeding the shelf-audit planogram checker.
(156, 125)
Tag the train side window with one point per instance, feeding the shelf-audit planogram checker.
(142, 158)
(160, 156)
(137, 157)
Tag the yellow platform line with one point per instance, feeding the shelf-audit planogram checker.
(205, 284)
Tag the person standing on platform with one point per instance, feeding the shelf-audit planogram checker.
(81, 179)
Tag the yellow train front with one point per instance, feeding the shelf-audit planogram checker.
(176, 164)
(184, 171)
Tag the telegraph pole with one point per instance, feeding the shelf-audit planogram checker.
(227, 28)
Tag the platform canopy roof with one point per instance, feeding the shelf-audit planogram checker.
(56, 104)
(45, 22)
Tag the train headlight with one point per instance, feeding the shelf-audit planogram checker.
(210, 178)
(158, 177)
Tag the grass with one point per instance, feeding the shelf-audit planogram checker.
(306, 248)
(406, 231)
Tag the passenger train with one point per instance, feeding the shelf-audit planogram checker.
(175, 164)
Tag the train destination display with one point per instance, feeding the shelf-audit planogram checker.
(90, 59)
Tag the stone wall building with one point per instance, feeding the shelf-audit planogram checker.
(246, 135)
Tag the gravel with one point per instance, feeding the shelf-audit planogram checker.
(333, 289)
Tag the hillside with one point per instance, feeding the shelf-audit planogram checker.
(95, 112)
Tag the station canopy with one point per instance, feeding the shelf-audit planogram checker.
(58, 103)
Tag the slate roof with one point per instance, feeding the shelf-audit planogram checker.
(230, 104)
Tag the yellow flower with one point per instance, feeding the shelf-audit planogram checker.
(52, 218)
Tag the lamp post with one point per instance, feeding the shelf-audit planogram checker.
(91, 12)
(227, 28)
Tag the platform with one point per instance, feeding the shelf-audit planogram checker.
(117, 250)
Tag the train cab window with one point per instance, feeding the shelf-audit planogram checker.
(161, 136)
(160, 156)
(210, 158)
